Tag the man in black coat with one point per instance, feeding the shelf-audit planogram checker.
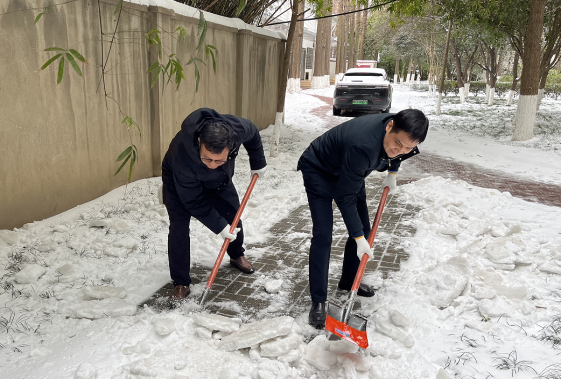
(334, 168)
(197, 175)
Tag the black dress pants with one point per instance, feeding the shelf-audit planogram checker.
(179, 241)
(320, 199)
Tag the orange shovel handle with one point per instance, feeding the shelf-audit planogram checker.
(362, 266)
(232, 228)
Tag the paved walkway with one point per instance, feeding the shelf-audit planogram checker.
(241, 295)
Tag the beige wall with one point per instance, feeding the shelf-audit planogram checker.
(59, 143)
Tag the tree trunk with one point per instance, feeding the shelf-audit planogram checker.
(295, 73)
(323, 42)
(396, 71)
(529, 80)
(341, 42)
(441, 88)
(514, 78)
(327, 61)
(351, 37)
(492, 74)
(364, 26)
(283, 78)
(459, 72)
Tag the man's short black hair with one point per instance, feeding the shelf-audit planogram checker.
(216, 136)
(413, 122)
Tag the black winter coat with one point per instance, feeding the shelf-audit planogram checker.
(346, 155)
(188, 182)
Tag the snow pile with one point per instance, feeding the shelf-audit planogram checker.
(477, 297)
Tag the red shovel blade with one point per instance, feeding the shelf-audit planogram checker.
(346, 332)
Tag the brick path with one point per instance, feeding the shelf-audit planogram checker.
(241, 295)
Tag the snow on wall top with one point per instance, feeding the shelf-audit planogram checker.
(210, 17)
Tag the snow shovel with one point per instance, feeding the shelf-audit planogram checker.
(339, 320)
(227, 241)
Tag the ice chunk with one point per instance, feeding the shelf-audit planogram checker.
(273, 286)
(139, 348)
(102, 292)
(280, 346)
(254, 354)
(393, 332)
(317, 353)
(442, 285)
(163, 326)
(494, 308)
(203, 332)
(216, 322)
(254, 333)
(9, 237)
(497, 252)
(481, 292)
(30, 274)
(46, 247)
(292, 356)
(69, 273)
(115, 252)
(131, 207)
(120, 225)
(342, 347)
(100, 223)
(550, 267)
(98, 309)
(399, 319)
(128, 243)
(86, 370)
(272, 369)
(512, 292)
(443, 374)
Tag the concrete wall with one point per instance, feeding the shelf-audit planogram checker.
(59, 143)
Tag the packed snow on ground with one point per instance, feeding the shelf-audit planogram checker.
(478, 297)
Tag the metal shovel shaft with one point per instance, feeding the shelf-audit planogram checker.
(373, 231)
(227, 241)
(339, 321)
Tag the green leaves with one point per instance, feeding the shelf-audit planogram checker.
(173, 69)
(118, 7)
(240, 7)
(129, 154)
(209, 50)
(129, 122)
(201, 30)
(182, 33)
(39, 17)
(153, 37)
(71, 55)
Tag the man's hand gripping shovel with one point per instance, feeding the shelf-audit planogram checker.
(339, 320)
(227, 241)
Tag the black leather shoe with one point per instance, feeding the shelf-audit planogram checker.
(317, 315)
(363, 290)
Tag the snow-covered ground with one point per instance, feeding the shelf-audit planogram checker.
(479, 296)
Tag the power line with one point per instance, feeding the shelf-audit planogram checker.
(338, 14)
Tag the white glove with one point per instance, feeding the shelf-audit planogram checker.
(225, 233)
(363, 247)
(260, 172)
(390, 181)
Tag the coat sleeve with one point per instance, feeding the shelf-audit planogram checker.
(191, 193)
(351, 180)
(251, 141)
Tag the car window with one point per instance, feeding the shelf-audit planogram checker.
(363, 75)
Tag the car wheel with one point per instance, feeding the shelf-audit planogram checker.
(336, 111)
(387, 110)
